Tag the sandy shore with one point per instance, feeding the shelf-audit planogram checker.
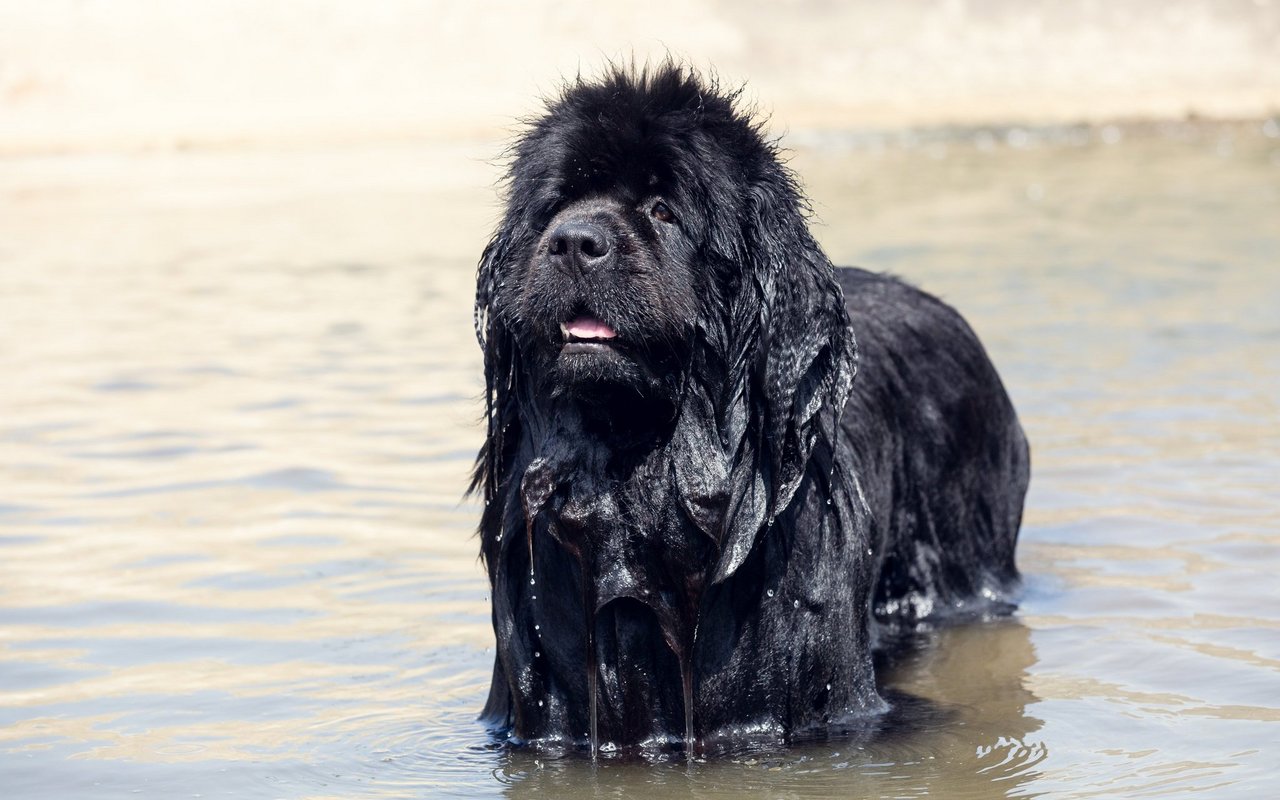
(134, 75)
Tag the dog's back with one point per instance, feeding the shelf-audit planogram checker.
(942, 458)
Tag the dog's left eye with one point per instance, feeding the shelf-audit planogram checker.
(661, 213)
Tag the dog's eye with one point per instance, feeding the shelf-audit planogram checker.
(661, 213)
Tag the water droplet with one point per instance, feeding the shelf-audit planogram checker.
(532, 581)
(828, 501)
(535, 597)
(537, 654)
(795, 603)
(828, 687)
(539, 704)
(769, 592)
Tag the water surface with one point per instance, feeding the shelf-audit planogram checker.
(241, 397)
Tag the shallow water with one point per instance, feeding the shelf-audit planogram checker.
(240, 400)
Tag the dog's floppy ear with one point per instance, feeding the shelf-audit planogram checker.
(792, 362)
(502, 418)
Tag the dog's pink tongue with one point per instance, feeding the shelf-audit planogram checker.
(589, 328)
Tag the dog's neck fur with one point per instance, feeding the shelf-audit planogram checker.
(601, 486)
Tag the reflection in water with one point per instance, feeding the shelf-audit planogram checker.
(241, 400)
(964, 733)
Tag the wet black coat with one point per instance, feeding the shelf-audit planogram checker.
(690, 538)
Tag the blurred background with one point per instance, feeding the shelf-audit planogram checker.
(103, 74)
(241, 392)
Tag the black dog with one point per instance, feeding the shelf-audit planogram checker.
(696, 517)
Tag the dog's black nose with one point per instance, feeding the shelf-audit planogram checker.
(579, 243)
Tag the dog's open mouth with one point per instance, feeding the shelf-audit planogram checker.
(585, 333)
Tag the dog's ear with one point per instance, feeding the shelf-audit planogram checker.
(791, 365)
(501, 412)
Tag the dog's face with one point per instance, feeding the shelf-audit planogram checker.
(621, 220)
(608, 291)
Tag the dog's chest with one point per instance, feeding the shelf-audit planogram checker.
(629, 537)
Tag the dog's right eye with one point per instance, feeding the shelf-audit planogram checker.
(661, 213)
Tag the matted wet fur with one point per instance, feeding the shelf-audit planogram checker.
(695, 515)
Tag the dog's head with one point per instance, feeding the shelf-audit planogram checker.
(620, 200)
(654, 267)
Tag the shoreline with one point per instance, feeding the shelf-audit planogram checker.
(134, 75)
(983, 135)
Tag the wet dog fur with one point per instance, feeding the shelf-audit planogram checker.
(715, 465)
